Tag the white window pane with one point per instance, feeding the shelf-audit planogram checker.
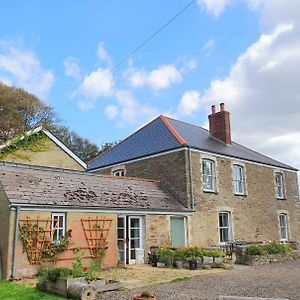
(208, 175)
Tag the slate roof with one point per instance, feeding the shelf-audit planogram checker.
(36, 186)
(163, 134)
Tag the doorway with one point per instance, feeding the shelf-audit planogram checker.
(130, 239)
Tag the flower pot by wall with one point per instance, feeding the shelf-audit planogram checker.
(192, 264)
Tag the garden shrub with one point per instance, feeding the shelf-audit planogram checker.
(255, 250)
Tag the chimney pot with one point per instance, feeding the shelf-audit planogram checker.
(213, 109)
(222, 106)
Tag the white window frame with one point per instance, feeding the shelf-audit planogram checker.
(239, 182)
(284, 227)
(279, 185)
(228, 227)
(212, 175)
(119, 172)
(56, 233)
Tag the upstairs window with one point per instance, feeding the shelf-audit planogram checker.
(208, 175)
(120, 172)
(59, 223)
(279, 185)
(283, 225)
(225, 231)
(239, 179)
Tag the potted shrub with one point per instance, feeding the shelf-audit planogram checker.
(179, 256)
(144, 296)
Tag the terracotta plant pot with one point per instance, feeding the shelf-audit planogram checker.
(139, 297)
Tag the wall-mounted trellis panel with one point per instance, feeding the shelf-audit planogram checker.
(35, 234)
(96, 232)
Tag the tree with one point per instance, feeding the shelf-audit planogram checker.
(21, 111)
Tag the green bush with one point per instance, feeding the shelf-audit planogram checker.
(275, 248)
(270, 248)
(255, 250)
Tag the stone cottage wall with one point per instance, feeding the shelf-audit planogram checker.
(255, 215)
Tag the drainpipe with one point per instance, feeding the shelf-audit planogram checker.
(14, 254)
(191, 178)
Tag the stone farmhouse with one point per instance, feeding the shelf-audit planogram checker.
(168, 184)
(236, 193)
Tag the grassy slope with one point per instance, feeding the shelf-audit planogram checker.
(12, 291)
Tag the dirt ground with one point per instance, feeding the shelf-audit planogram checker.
(144, 275)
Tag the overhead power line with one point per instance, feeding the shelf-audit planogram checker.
(141, 45)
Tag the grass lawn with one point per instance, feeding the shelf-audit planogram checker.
(13, 291)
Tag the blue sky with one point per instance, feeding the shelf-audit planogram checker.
(237, 51)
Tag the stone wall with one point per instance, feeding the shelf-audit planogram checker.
(157, 232)
(170, 169)
(255, 215)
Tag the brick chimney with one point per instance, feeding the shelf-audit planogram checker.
(219, 124)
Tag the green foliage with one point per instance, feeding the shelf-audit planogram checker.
(13, 291)
(255, 250)
(55, 273)
(269, 248)
(187, 253)
(77, 265)
(56, 247)
(34, 142)
(275, 248)
(145, 295)
(164, 253)
(32, 234)
(179, 279)
(93, 272)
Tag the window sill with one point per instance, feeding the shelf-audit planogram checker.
(240, 195)
(210, 192)
(279, 198)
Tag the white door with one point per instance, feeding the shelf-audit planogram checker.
(135, 247)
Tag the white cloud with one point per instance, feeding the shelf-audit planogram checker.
(157, 79)
(131, 111)
(188, 65)
(111, 111)
(262, 88)
(214, 7)
(22, 68)
(190, 103)
(97, 84)
(72, 68)
(209, 45)
(103, 55)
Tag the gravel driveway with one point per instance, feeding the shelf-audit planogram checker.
(275, 280)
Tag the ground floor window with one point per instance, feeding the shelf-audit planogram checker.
(225, 231)
(59, 224)
(283, 224)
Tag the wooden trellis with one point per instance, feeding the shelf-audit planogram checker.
(96, 231)
(39, 232)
